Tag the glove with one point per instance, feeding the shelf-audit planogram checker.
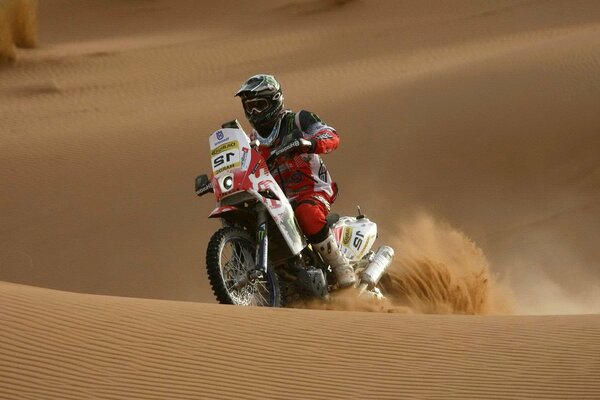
(305, 146)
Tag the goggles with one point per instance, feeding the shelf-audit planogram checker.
(256, 105)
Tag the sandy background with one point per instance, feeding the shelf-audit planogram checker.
(481, 114)
(469, 134)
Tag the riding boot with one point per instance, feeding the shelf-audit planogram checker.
(329, 250)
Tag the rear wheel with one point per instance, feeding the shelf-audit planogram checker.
(229, 260)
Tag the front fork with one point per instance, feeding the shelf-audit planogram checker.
(262, 243)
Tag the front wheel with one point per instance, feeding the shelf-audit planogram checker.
(230, 258)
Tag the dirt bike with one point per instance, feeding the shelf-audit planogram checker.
(260, 256)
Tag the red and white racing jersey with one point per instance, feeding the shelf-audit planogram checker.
(302, 174)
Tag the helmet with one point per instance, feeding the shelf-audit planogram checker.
(263, 104)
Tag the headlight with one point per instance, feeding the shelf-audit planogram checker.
(226, 183)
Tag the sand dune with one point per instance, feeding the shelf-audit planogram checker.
(71, 346)
(488, 111)
(469, 134)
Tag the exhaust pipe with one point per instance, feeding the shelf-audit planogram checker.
(372, 274)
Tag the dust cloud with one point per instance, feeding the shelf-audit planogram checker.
(437, 270)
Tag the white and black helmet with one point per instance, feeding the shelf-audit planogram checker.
(263, 105)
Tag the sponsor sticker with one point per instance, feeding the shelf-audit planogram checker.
(347, 235)
(255, 168)
(324, 136)
(225, 168)
(367, 246)
(221, 138)
(244, 156)
(224, 147)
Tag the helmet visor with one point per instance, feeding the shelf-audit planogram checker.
(256, 105)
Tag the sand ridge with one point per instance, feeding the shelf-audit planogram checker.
(64, 345)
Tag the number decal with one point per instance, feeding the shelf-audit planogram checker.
(220, 160)
(358, 240)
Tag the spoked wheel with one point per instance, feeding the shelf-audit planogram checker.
(229, 260)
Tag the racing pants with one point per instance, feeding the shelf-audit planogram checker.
(311, 212)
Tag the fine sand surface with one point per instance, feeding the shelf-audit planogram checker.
(478, 114)
(469, 133)
(59, 345)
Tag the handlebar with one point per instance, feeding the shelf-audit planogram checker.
(286, 148)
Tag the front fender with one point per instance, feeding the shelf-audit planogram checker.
(219, 211)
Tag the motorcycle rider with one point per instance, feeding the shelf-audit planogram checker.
(300, 137)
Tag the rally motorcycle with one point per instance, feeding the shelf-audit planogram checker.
(260, 256)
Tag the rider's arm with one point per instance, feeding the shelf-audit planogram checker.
(324, 138)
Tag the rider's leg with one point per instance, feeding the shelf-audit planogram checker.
(311, 215)
(329, 250)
